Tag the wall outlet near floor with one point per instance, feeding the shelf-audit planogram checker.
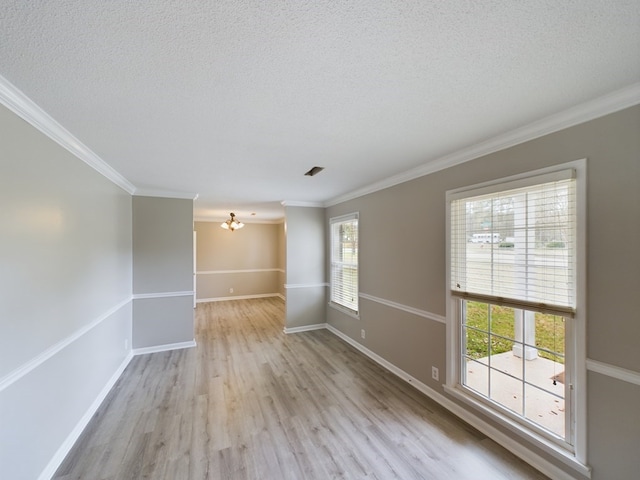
(231, 290)
(435, 373)
(362, 333)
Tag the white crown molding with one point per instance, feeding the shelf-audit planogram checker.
(144, 192)
(16, 101)
(599, 107)
(293, 203)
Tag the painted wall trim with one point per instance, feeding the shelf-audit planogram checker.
(164, 348)
(305, 285)
(305, 328)
(613, 371)
(293, 203)
(72, 438)
(16, 101)
(496, 435)
(44, 356)
(238, 297)
(142, 192)
(405, 308)
(186, 293)
(599, 107)
(249, 270)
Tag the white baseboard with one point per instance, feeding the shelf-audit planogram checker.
(164, 348)
(305, 328)
(142, 296)
(71, 439)
(248, 270)
(238, 297)
(496, 435)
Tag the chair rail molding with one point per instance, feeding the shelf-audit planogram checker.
(45, 355)
(405, 308)
(609, 370)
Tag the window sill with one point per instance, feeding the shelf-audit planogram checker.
(567, 457)
(345, 310)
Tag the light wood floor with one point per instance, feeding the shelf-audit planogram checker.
(253, 403)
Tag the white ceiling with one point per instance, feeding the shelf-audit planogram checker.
(235, 100)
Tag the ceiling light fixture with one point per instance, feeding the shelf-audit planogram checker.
(232, 224)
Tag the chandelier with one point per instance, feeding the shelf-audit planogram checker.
(232, 224)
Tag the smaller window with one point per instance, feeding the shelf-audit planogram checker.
(344, 261)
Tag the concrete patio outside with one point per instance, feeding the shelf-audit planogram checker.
(539, 406)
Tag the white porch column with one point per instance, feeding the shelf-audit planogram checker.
(525, 335)
(524, 243)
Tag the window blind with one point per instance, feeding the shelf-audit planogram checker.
(344, 261)
(514, 243)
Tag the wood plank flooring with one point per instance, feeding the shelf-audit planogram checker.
(253, 403)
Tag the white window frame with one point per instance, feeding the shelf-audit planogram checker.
(575, 457)
(333, 262)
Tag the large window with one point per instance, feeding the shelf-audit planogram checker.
(515, 317)
(344, 262)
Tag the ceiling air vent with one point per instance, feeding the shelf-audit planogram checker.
(314, 171)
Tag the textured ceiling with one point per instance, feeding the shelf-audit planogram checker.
(236, 100)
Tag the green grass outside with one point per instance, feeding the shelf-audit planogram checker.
(549, 331)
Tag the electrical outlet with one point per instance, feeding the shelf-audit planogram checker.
(435, 373)
(231, 290)
(362, 333)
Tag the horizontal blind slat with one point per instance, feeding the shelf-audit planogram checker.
(517, 244)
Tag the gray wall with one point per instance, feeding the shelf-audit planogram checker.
(408, 267)
(65, 283)
(247, 261)
(162, 271)
(305, 272)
